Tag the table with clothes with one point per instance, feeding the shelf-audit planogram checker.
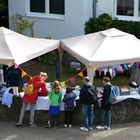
(43, 103)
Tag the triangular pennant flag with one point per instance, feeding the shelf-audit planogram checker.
(81, 74)
(16, 66)
(31, 78)
(62, 84)
(72, 80)
(23, 74)
(121, 69)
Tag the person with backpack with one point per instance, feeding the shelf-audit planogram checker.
(69, 100)
(35, 87)
(106, 102)
(88, 98)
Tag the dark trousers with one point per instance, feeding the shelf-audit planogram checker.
(69, 117)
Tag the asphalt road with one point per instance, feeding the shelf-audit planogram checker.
(8, 131)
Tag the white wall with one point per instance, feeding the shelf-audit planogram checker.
(105, 6)
(76, 13)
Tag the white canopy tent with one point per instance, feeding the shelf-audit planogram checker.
(104, 48)
(17, 48)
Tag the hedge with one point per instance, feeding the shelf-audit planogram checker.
(105, 21)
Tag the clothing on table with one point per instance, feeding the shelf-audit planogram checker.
(69, 117)
(14, 77)
(39, 90)
(108, 117)
(7, 98)
(32, 112)
(88, 115)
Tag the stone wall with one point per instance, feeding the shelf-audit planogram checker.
(123, 112)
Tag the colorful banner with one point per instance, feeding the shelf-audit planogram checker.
(72, 80)
(63, 84)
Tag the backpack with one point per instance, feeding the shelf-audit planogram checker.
(70, 104)
(113, 96)
(93, 95)
(29, 90)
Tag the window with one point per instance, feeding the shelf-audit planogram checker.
(37, 6)
(46, 8)
(57, 7)
(125, 7)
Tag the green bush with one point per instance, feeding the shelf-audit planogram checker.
(105, 21)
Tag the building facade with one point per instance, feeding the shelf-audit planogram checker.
(121, 9)
(54, 18)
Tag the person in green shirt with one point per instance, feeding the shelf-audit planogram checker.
(55, 97)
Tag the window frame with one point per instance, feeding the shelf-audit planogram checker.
(47, 13)
(135, 17)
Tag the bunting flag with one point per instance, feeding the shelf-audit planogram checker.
(105, 71)
(81, 74)
(125, 66)
(121, 69)
(72, 80)
(111, 72)
(31, 78)
(63, 84)
(16, 66)
(100, 71)
(23, 74)
(94, 69)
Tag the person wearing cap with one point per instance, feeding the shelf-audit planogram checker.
(105, 105)
(39, 89)
(87, 106)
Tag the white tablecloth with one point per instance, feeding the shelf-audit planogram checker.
(43, 103)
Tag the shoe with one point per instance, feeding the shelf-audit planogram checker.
(84, 129)
(19, 124)
(70, 126)
(65, 125)
(32, 125)
(100, 127)
(48, 125)
(91, 128)
(107, 128)
(55, 123)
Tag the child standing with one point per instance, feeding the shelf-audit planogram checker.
(69, 100)
(55, 97)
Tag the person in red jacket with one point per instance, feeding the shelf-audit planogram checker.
(39, 89)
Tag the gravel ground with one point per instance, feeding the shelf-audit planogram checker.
(130, 131)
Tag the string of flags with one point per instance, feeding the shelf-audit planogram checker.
(113, 70)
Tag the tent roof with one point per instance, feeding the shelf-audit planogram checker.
(17, 48)
(104, 48)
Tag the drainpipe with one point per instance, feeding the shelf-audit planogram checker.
(94, 8)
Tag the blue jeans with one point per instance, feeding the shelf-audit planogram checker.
(108, 117)
(88, 115)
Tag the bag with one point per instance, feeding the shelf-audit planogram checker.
(113, 96)
(93, 95)
(70, 104)
(29, 90)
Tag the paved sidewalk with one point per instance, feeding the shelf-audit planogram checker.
(129, 131)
